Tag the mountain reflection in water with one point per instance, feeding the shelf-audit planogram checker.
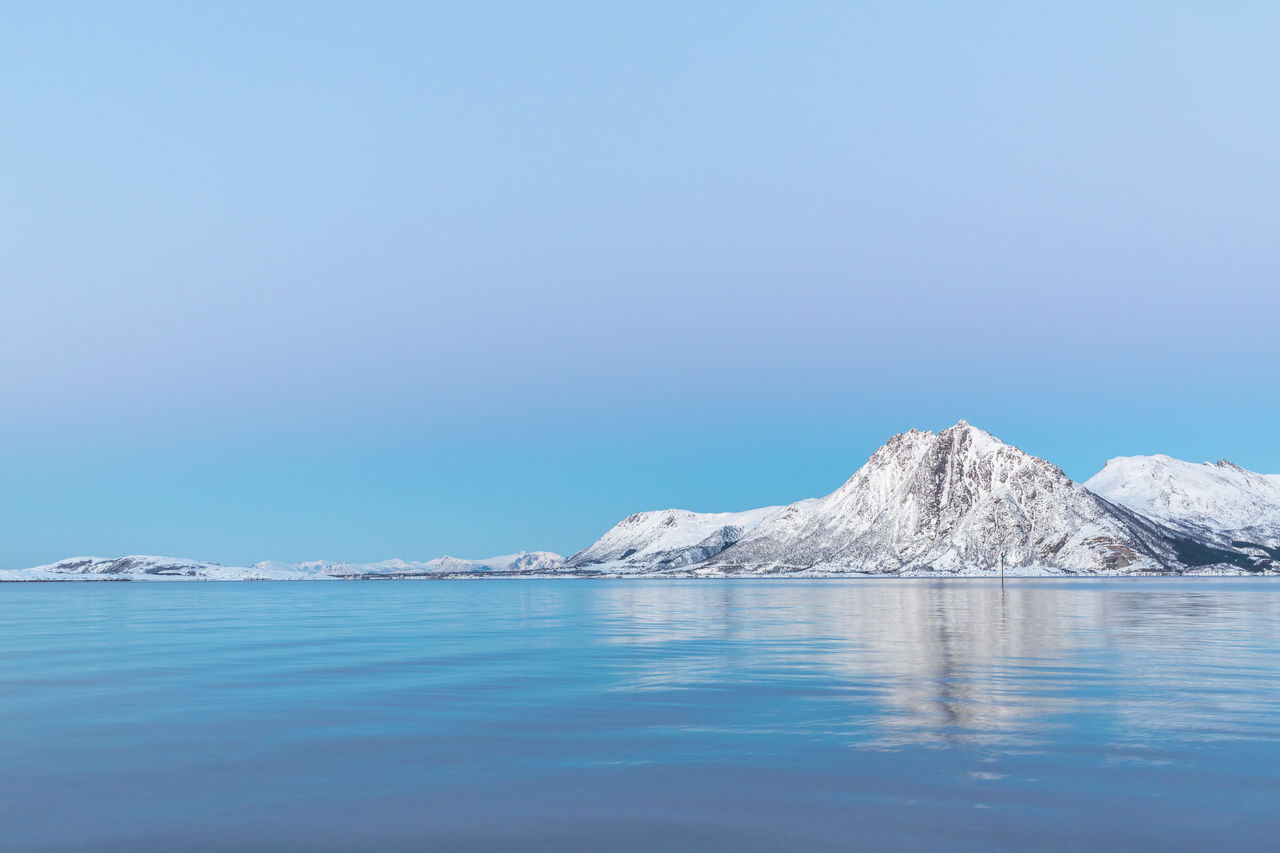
(969, 660)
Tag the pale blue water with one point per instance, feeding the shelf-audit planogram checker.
(728, 715)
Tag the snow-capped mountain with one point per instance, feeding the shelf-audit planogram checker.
(666, 539)
(951, 503)
(1219, 502)
(171, 568)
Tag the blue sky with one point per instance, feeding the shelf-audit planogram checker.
(353, 281)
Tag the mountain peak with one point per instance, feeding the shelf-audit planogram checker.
(965, 433)
(962, 427)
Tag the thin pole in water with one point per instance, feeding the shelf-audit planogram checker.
(1002, 569)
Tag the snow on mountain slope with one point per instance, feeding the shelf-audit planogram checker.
(1218, 501)
(174, 569)
(951, 503)
(666, 539)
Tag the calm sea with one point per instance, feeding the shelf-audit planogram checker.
(641, 715)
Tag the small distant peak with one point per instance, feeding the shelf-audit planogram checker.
(1136, 460)
(909, 438)
(961, 424)
(1230, 466)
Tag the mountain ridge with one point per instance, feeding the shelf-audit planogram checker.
(954, 503)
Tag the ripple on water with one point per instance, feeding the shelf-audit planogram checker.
(684, 714)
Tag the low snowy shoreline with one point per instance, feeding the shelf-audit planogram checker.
(248, 575)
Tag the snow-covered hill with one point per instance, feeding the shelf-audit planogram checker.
(951, 503)
(666, 539)
(1219, 502)
(520, 562)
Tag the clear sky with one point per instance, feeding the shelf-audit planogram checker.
(362, 280)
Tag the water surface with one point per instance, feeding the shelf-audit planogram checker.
(729, 715)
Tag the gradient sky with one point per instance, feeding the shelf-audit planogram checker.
(354, 281)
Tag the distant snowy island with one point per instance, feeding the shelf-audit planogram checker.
(925, 504)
